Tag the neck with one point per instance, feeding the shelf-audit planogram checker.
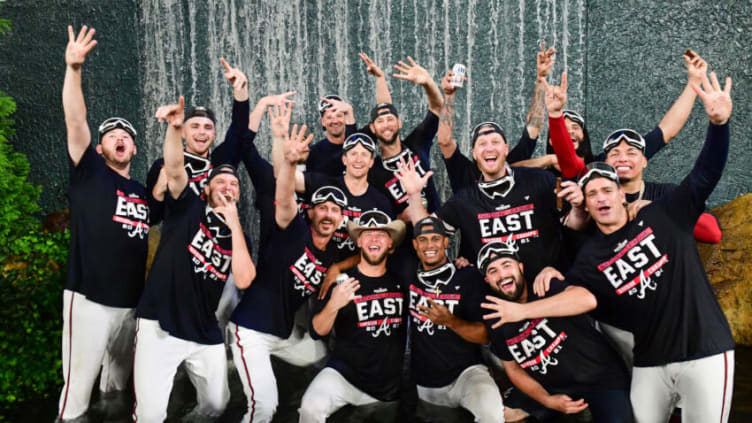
(204, 155)
(633, 186)
(391, 150)
(320, 241)
(523, 297)
(336, 140)
(372, 270)
(356, 186)
(613, 227)
(427, 267)
(122, 170)
(496, 175)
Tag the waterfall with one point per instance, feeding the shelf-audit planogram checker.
(311, 47)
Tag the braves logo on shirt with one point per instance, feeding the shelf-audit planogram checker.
(419, 297)
(536, 346)
(508, 223)
(341, 236)
(394, 186)
(208, 256)
(132, 212)
(632, 268)
(379, 312)
(308, 273)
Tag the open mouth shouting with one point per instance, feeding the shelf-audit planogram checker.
(506, 286)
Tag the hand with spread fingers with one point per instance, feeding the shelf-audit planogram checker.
(409, 178)
(229, 211)
(296, 145)
(412, 72)
(79, 46)
(717, 100)
(279, 116)
(556, 96)
(237, 79)
(371, 67)
(503, 310)
(343, 293)
(339, 106)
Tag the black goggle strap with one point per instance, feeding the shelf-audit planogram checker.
(600, 168)
(373, 219)
(632, 138)
(329, 193)
(440, 275)
(496, 250)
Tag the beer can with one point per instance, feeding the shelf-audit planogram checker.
(341, 278)
(458, 79)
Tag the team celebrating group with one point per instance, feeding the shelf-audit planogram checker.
(577, 277)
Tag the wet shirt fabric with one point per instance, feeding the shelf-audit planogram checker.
(649, 278)
(192, 264)
(198, 167)
(109, 219)
(326, 157)
(564, 354)
(439, 355)
(416, 147)
(369, 335)
(356, 205)
(290, 269)
(527, 215)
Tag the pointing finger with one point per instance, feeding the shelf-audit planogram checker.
(225, 64)
(564, 81)
(71, 35)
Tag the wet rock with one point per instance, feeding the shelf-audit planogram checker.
(729, 265)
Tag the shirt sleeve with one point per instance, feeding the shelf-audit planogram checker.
(177, 206)
(259, 170)
(524, 148)
(498, 342)
(156, 207)
(460, 170)
(569, 162)
(229, 152)
(653, 142)
(451, 211)
(421, 138)
(90, 164)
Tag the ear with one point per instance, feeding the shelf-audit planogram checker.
(358, 243)
(207, 191)
(391, 243)
(415, 244)
(399, 123)
(446, 242)
(370, 162)
(344, 161)
(99, 148)
(522, 268)
(135, 149)
(372, 128)
(310, 214)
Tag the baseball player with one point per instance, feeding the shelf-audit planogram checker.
(365, 312)
(292, 264)
(648, 279)
(563, 363)
(202, 245)
(106, 264)
(447, 329)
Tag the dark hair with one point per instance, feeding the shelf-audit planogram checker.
(584, 150)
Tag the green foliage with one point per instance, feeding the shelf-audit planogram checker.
(32, 272)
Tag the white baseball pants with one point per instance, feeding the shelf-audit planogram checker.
(474, 390)
(328, 392)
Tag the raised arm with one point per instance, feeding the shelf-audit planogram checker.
(446, 117)
(243, 269)
(230, 151)
(74, 107)
(572, 301)
(382, 88)
(293, 146)
(177, 178)
(413, 184)
(537, 112)
(342, 294)
(673, 121)
(344, 107)
(254, 120)
(556, 97)
(418, 75)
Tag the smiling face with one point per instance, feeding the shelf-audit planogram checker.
(431, 249)
(490, 152)
(117, 148)
(374, 245)
(504, 275)
(386, 128)
(222, 185)
(199, 134)
(325, 218)
(575, 132)
(333, 123)
(357, 160)
(605, 200)
(628, 161)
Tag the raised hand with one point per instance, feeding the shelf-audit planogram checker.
(343, 293)
(173, 114)
(79, 46)
(279, 99)
(279, 116)
(237, 79)
(571, 193)
(371, 67)
(543, 280)
(446, 83)
(409, 178)
(717, 101)
(296, 147)
(696, 66)
(339, 106)
(229, 211)
(412, 72)
(545, 60)
(556, 96)
(504, 311)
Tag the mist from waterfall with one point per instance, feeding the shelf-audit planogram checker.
(311, 47)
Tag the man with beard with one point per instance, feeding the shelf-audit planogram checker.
(563, 363)
(447, 329)
(109, 221)
(648, 279)
(202, 245)
(292, 264)
(506, 204)
(199, 133)
(385, 125)
(366, 364)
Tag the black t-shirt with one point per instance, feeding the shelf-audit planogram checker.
(326, 157)
(439, 355)
(649, 279)
(356, 205)
(370, 335)
(290, 269)
(109, 220)
(527, 213)
(653, 191)
(417, 146)
(564, 354)
(192, 264)
(197, 168)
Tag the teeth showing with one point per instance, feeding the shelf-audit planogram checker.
(623, 167)
(430, 253)
(504, 284)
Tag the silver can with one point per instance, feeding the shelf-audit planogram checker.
(342, 278)
(458, 79)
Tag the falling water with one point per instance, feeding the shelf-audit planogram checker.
(311, 47)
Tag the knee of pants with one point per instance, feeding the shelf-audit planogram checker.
(488, 415)
(314, 407)
(215, 404)
(262, 411)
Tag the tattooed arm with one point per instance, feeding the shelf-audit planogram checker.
(537, 112)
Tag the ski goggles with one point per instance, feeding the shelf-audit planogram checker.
(329, 193)
(596, 170)
(374, 219)
(494, 251)
(631, 137)
(114, 123)
(359, 138)
(484, 128)
(324, 105)
(574, 117)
